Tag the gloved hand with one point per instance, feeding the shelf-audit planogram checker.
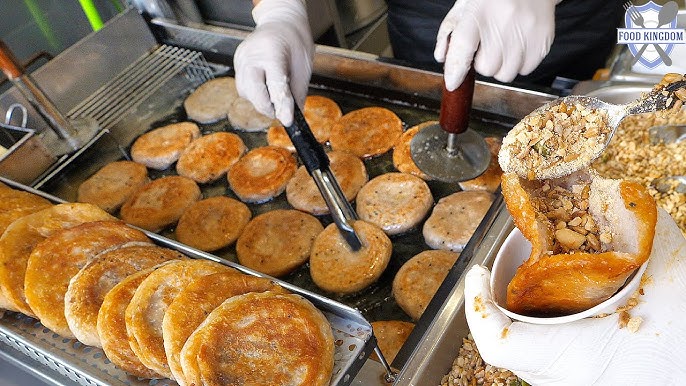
(274, 63)
(509, 37)
(595, 351)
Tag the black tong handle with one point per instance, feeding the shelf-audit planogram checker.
(311, 152)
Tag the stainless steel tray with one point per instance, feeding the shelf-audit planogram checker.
(87, 365)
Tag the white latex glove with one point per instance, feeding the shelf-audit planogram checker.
(595, 351)
(274, 63)
(509, 37)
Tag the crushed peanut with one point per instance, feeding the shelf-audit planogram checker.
(630, 155)
(556, 141)
(470, 369)
(567, 211)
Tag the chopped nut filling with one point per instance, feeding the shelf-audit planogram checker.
(565, 137)
(630, 155)
(567, 211)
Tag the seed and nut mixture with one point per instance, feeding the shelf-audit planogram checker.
(470, 369)
(630, 155)
(567, 211)
(554, 142)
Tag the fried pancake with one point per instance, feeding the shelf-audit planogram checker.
(160, 148)
(277, 242)
(262, 174)
(418, 279)
(145, 312)
(584, 249)
(402, 155)
(194, 302)
(88, 287)
(212, 223)
(391, 335)
(243, 116)
(113, 184)
(16, 203)
(337, 268)
(302, 192)
(396, 202)
(366, 132)
(261, 339)
(277, 136)
(160, 203)
(111, 325)
(321, 113)
(19, 239)
(490, 179)
(209, 157)
(58, 258)
(455, 218)
(211, 101)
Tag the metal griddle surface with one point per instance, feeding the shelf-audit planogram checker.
(375, 302)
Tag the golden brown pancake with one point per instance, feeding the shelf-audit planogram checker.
(366, 132)
(112, 326)
(209, 157)
(160, 148)
(337, 268)
(19, 239)
(490, 179)
(391, 336)
(587, 233)
(211, 101)
(455, 218)
(277, 242)
(194, 302)
(243, 116)
(16, 203)
(277, 136)
(396, 202)
(160, 203)
(262, 174)
(88, 287)
(302, 192)
(402, 155)
(58, 258)
(418, 279)
(113, 184)
(321, 113)
(212, 223)
(145, 312)
(284, 336)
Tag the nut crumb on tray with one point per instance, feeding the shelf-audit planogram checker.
(470, 369)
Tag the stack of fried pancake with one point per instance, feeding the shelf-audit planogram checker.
(155, 312)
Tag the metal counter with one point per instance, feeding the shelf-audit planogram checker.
(433, 344)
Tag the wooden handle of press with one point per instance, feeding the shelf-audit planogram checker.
(455, 105)
(8, 63)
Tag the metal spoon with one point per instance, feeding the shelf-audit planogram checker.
(669, 184)
(667, 134)
(658, 99)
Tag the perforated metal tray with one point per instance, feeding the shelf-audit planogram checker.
(87, 365)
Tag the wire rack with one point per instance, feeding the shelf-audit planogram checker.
(140, 80)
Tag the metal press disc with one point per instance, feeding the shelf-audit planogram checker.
(429, 152)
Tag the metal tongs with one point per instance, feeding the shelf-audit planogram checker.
(316, 162)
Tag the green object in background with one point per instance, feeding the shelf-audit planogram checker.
(92, 14)
(42, 23)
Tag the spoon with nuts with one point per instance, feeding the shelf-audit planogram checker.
(567, 134)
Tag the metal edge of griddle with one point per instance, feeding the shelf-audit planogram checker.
(432, 357)
(219, 44)
(356, 325)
